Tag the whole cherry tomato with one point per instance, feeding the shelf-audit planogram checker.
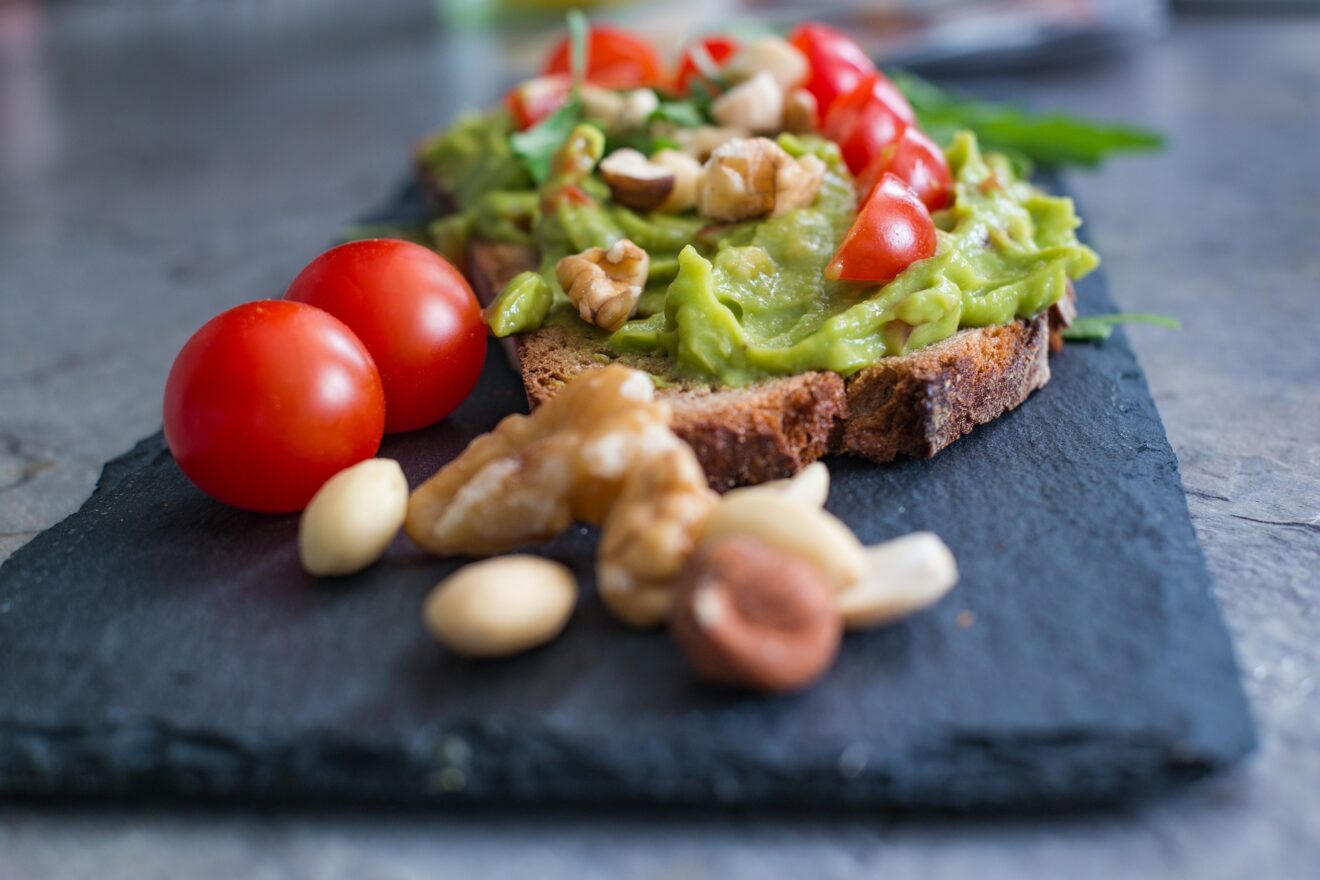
(865, 121)
(414, 313)
(837, 63)
(616, 59)
(535, 99)
(892, 231)
(269, 400)
(917, 161)
(718, 48)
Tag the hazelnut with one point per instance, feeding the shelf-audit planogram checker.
(800, 111)
(635, 181)
(748, 615)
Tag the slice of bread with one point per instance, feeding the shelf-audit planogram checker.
(915, 404)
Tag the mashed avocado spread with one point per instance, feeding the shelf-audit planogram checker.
(739, 302)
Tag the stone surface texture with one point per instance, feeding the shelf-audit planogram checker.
(155, 169)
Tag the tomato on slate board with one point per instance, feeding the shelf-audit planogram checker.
(616, 58)
(892, 231)
(269, 400)
(416, 315)
(917, 161)
(718, 48)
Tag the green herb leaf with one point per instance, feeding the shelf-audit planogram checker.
(537, 146)
(579, 46)
(1051, 139)
(1092, 327)
(684, 114)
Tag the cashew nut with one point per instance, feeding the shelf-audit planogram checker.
(605, 284)
(794, 528)
(351, 519)
(747, 614)
(902, 576)
(501, 606)
(756, 105)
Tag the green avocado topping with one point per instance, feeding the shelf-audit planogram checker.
(735, 303)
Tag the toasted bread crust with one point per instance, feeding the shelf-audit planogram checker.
(920, 403)
(913, 405)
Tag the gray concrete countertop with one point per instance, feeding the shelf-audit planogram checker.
(155, 169)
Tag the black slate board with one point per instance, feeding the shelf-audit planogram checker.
(158, 643)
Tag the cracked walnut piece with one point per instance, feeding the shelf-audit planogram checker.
(605, 284)
(532, 476)
(750, 177)
(599, 451)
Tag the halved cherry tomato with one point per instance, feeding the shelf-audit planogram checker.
(892, 231)
(269, 400)
(837, 63)
(537, 98)
(719, 48)
(414, 313)
(865, 121)
(917, 161)
(616, 59)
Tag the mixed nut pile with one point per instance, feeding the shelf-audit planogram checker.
(757, 586)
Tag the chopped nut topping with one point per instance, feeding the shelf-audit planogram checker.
(750, 177)
(756, 105)
(605, 284)
(635, 181)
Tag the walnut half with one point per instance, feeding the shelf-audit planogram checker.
(750, 177)
(605, 284)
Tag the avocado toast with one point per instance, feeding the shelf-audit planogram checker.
(743, 268)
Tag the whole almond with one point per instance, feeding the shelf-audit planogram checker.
(351, 519)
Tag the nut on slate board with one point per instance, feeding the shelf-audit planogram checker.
(351, 519)
(750, 615)
(501, 606)
(902, 577)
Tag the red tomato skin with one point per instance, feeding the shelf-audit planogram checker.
(863, 124)
(837, 63)
(892, 231)
(414, 312)
(917, 161)
(719, 47)
(535, 99)
(616, 58)
(269, 400)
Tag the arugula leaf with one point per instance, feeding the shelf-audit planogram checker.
(685, 114)
(1047, 139)
(1093, 327)
(536, 147)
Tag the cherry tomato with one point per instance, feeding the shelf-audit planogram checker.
(892, 231)
(414, 313)
(917, 161)
(864, 121)
(616, 59)
(268, 401)
(837, 63)
(537, 98)
(719, 48)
